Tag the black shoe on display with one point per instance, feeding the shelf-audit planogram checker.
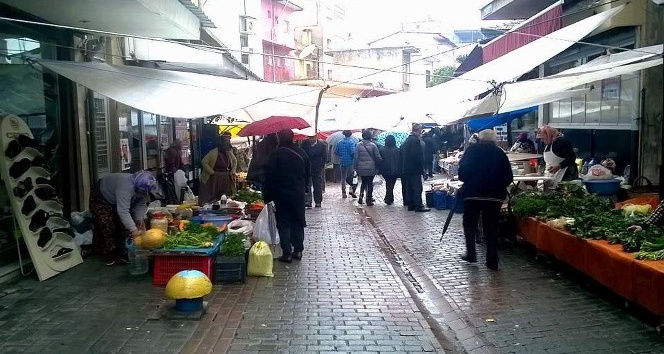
(29, 206)
(19, 144)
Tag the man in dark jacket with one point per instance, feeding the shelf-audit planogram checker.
(412, 154)
(286, 173)
(486, 173)
(316, 150)
(429, 150)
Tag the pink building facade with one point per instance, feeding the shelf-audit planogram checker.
(278, 39)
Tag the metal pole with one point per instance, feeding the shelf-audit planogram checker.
(320, 98)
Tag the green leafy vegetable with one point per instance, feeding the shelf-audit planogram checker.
(193, 236)
(233, 245)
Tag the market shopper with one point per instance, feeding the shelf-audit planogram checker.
(316, 150)
(486, 173)
(390, 168)
(366, 163)
(559, 156)
(218, 169)
(118, 203)
(412, 154)
(523, 144)
(173, 157)
(260, 153)
(286, 174)
(345, 149)
(429, 153)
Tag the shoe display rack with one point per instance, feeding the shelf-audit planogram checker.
(35, 204)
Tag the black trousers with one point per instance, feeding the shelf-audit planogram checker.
(390, 181)
(367, 186)
(291, 233)
(489, 211)
(316, 183)
(413, 191)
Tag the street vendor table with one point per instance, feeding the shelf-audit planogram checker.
(519, 179)
(521, 157)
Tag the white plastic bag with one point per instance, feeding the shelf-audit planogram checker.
(265, 229)
(598, 172)
(241, 226)
(378, 180)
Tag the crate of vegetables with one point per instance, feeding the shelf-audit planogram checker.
(194, 238)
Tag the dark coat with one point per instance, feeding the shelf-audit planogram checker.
(317, 154)
(286, 173)
(429, 146)
(391, 165)
(485, 171)
(563, 147)
(412, 156)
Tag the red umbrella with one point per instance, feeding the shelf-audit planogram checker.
(273, 124)
(320, 135)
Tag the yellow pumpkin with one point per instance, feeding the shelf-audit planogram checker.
(153, 238)
(138, 241)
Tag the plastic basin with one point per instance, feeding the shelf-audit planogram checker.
(605, 187)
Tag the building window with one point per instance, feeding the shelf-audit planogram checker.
(100, 136)
(286, 27)
(269, 60)
(269, 14)
(276, 19)
(406, 67)
(329, 74)
(428, 77)
(244, 40)
(244, 58)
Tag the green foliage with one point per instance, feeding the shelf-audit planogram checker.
(233, 245)
(441, 75)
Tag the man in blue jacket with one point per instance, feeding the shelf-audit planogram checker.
(346, 151)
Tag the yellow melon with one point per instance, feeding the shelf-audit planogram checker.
(153, 238)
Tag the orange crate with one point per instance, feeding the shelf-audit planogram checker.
(166, 266)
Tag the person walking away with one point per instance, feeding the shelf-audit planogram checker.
(367, 160)
(286, 173)
(429, 152)
(260, 153)
(336, 168)
(118, 203)
(390, 168)
(412, 154)
(316, 150)
(218, 169)
(345, 149)
(559, 156)
(173, 157)
(486, 172)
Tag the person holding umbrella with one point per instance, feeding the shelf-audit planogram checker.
(286, 173)
(486, 172)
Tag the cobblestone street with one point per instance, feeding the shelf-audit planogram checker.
(372, 280)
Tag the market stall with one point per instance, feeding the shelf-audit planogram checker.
(593, 236)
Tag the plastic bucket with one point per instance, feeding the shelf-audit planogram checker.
(440, 200)
(429, 198)
(218, 220)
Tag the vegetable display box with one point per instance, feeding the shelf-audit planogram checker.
(207, 251)
(166, 266)
(230, 270)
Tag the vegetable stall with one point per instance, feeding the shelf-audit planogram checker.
(597, 238)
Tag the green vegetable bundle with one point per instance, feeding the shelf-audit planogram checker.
(233, 245)
(193, 236)
(248, 196)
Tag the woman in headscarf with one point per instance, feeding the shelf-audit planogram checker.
(286, 175)
(523, 144)
(390, 167)
(118, 203)
(559, 156)
(218, 173)
(367, 160)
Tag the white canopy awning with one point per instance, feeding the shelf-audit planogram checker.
(387, 111)
(535, 92)
(188, 95)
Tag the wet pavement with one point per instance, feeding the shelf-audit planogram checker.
(372, 280)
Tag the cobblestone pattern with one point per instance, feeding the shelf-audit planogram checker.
(343, 297)
(525, 307)
(97, 309)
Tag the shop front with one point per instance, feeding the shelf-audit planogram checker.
(44, 102)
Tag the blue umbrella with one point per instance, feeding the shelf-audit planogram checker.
(400, 137)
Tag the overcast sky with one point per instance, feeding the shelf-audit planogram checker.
(380, 16)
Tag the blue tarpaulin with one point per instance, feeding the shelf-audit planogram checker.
(478, 124)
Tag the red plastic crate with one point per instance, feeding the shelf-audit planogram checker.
(166, 266)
